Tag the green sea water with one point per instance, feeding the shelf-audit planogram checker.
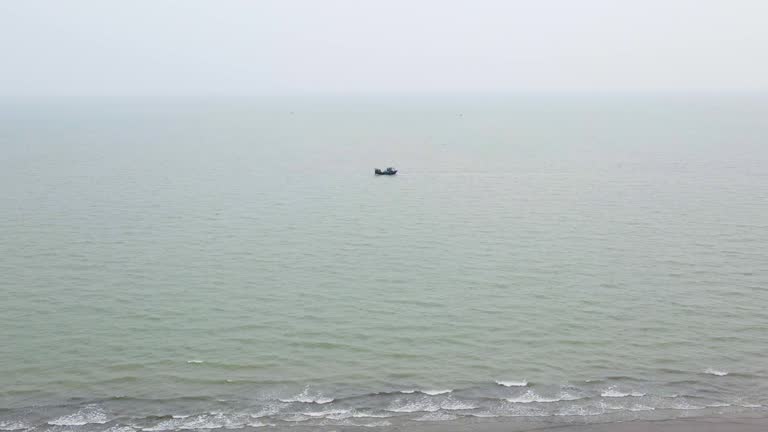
(202, 264)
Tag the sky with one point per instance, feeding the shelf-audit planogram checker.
(257, 47)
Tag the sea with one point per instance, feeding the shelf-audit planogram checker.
(201, 263)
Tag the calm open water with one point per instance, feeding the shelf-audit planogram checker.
(193, 264)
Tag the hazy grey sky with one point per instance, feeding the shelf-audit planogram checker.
(102, 47)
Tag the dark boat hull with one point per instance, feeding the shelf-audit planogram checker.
(380, 172)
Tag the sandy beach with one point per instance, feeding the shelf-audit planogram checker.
(740, 423)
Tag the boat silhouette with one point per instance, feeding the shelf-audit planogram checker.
(388, 171)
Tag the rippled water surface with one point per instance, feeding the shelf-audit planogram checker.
(172, 265)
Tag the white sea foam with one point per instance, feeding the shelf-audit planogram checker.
(118, 428)
(612, 392)
(641, 408)
(523, 383)
(626, 405)
(320, 400)
(215, 421)
(163, 425)
(715, 372)
(13, 425)
(201, 421)
(358, 414)
(530, 397)
(306, 397)
(195, 361)
(435, 392)
(426, 392)
(87, 415)
(330, 414)
(415, 406)
(454, 405)
(266, 411)
(580, 411)
(526, 398)
(425, 404)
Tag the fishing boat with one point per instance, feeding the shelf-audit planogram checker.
(388, 171)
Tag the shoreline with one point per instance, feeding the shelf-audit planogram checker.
(725, 423)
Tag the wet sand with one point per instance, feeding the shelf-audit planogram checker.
(747, 423)
(705, 424)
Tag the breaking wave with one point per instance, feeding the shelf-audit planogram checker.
(435, 392)
(426, 392)
(306, 397)
(316, 407)
(87, 415)
(612, 392)
(429, 405)
(532, 397)
(522, 383)
(204, 421)
(13, 425)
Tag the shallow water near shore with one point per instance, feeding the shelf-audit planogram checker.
(174, 265)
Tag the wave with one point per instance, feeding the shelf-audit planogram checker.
(266, 411)
(422, 408)
(612, 392)
(336, 414)
(313, 407)
(90, 414)
(426, 392)
(195, 361)
(710, 371)
(306, 397)
(455, 405)
(633, 408)
(302, 399)
(429, 405)
(580, 411)
(13, 425)
(435, 392)
(204, 421)
(532, 397)
(358, 414)
(522, 383)
(641, 408)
